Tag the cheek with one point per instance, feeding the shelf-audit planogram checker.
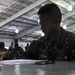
(48, 27)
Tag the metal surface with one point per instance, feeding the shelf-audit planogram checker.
(28, 67)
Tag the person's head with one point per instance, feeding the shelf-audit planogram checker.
(12, 43)
(2, 45)
(50, 18)
(27, 44)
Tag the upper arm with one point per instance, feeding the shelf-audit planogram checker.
(32, 52)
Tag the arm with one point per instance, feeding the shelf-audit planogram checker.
(32, 53)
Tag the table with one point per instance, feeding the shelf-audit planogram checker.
(28, 67)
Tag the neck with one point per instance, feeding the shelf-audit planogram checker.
(55, 37)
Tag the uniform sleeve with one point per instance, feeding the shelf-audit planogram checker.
(32, 53)
(71, 51)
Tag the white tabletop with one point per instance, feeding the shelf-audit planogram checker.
(27, 67)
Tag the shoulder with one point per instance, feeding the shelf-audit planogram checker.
(4, 49)
(68, 35)
(71, 39)
(71, 36)
(38, 42)
(41, 39)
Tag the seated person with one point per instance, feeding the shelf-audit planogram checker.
(2, 46)
(7, 54)
(2, 50)
(57, 44)
(27, 47)
(18, 52)
(11, 48)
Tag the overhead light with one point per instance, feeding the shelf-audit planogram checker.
(64, 26)
(38, 21)
(42, 34)
(16, 31)
(42, 4)
(70, 7)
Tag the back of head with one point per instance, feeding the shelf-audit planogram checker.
(2, 45)
(52, 10)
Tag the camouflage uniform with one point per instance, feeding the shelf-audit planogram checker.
(63, 49)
